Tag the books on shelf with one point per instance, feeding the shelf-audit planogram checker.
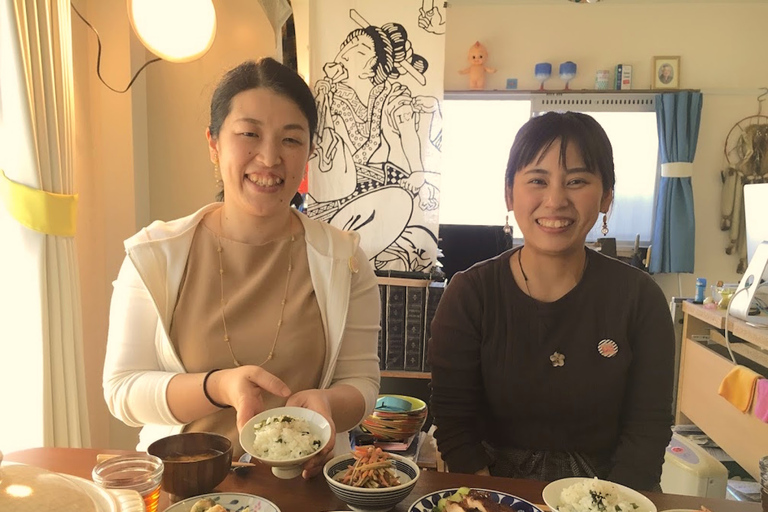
(408, 306)
(434, 293)
(383, 330)
(623, 77)
(394, 357)
(414, 327)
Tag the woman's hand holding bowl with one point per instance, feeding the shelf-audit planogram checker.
(316, 400)
(242, 388)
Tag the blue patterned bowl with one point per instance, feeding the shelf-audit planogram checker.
(371, 500)
(428, 502)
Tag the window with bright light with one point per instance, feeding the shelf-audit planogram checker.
(478, 134)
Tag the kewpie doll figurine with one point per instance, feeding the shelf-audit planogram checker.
(477, 69)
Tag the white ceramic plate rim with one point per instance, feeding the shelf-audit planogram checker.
(224, 495)
(551, 493)
(454, 489)
(365, 490)
(314, 418)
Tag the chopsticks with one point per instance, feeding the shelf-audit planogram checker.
(101, 457)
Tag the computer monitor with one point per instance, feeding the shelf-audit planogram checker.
(756, 275)
(465, 245)
(755, 216)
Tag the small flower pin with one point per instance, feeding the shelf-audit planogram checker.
(557, 359)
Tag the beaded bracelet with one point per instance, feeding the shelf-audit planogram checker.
(205, 391)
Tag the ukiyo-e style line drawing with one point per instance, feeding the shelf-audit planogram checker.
(377, 151)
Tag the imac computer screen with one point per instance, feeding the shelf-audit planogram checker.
(756, 216)
(753, 282)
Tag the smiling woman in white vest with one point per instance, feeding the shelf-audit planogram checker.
(246, 304)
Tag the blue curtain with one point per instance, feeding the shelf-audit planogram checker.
(678, 116)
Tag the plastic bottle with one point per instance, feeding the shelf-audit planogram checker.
(701, 285)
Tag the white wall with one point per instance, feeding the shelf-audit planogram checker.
(180, 171)
(721, 49)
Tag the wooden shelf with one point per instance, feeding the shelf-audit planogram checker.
(716, 318)
(400, 374)
(741, 435)
(563, 91)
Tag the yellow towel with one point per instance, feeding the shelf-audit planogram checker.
(738, 387)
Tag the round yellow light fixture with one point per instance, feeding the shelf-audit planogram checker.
(174, 30)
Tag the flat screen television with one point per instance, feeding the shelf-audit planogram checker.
(465, 245)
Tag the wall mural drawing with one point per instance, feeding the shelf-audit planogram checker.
(376, 167)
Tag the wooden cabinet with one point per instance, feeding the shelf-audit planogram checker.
(703, 365)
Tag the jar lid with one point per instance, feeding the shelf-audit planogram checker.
(28, 488)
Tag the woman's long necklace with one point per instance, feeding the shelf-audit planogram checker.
(557, 359)
(224, 302)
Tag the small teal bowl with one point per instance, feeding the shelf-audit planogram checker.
(371, 500)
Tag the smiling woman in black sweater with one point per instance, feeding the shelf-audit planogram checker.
(552, 360)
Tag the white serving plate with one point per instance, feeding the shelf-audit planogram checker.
(551, 494)
(233, 501)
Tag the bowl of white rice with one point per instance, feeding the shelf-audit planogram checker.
(284, 438)
(594, 495)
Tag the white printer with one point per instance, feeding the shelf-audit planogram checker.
(689, 470)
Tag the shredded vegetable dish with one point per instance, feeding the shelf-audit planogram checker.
(373, 468)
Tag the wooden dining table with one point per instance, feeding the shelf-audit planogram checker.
(314, 495)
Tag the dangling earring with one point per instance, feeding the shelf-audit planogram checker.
(604, 230)
(507, 228)
(217, 172)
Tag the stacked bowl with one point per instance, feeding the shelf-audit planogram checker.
(396, 418)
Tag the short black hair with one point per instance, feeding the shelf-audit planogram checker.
(539, 133)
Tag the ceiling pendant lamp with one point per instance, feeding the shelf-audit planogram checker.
(174, 30)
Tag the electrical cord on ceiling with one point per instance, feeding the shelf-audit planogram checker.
(98, 57)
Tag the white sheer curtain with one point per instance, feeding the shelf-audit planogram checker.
(41, 355)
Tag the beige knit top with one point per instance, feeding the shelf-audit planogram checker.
(254, 286)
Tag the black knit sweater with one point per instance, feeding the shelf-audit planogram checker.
(493, 381)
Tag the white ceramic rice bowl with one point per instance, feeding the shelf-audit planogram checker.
(552, 492)
(318, 426)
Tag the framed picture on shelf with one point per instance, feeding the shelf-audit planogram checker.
(665, 73)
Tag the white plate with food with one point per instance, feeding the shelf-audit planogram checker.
(226, 502)
(439, 501)
(594, 495)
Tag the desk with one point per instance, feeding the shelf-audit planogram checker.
(742, 436)
(298, 495)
